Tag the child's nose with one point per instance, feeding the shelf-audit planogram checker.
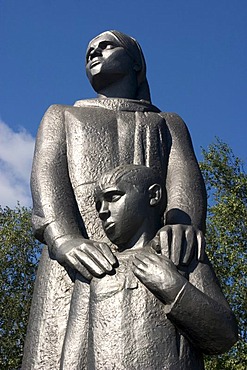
(104, 212)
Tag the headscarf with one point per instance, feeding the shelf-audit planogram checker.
(134, 50)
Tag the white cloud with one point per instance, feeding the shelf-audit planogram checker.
(16, 152)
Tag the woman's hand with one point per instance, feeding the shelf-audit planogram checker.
(181, 244)
(88, 257)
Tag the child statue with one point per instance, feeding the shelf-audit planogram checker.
(149, 313)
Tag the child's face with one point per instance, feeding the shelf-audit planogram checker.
(122, 209)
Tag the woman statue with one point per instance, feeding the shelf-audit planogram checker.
(74, 147)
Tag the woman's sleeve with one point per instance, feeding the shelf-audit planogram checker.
(186, 195)
(55, 211)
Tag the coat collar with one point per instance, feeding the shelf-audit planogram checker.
(118, 104)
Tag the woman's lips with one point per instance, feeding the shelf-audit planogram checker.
(94, 63)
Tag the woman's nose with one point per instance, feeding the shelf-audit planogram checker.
(104, 212)
(95, 52)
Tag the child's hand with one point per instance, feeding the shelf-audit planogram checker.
(158, 274)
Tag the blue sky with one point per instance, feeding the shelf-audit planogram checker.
(196, 54)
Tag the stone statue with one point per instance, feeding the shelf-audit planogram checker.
(149, 314)
(77, 144)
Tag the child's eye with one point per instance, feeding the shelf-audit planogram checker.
(115, 197)
(112, 197)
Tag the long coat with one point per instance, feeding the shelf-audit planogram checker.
(74, 146)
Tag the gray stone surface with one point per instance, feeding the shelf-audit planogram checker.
(152, 302)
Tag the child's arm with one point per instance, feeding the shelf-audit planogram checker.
(203, 316)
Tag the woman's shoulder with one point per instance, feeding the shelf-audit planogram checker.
(174, 121)
(56, 108)
(172, 117)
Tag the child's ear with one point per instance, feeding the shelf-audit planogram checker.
(155, 194)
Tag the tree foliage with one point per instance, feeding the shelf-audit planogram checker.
(18, 255)
(226, 183)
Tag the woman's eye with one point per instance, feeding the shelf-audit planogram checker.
(109, 46)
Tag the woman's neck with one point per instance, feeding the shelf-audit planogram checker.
(124, 88)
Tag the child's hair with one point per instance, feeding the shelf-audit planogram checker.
(141, 177)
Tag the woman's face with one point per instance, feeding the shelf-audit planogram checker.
(107, 61)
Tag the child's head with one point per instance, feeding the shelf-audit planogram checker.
(128, 197)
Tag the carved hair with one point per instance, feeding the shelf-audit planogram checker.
(134, 50)
(139, 176)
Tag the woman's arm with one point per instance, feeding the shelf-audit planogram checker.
(56, 218)
(185, 214)
(55, 212)
(186, 194)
